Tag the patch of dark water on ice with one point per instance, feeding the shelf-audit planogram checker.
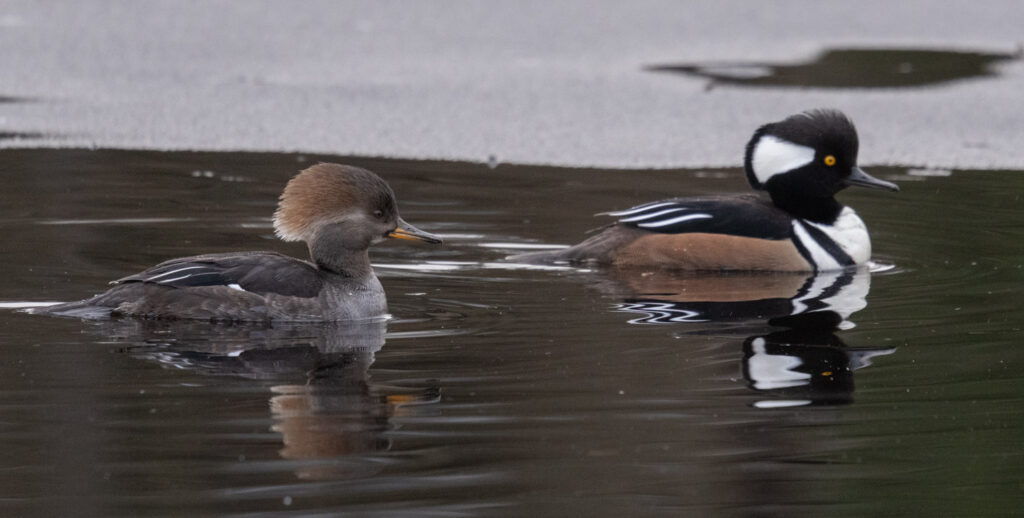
(853, 68)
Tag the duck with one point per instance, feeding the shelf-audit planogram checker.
(801, 162)
(338, 211)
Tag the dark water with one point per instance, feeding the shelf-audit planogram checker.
(503, 391)
(853, 68)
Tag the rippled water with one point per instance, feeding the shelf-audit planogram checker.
(500, 390)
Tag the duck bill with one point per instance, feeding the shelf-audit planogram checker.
(860, 178)
(407, 231)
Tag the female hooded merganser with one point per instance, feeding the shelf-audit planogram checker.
(802, 161)
(337, 210)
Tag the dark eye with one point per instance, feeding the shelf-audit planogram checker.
(378, 214)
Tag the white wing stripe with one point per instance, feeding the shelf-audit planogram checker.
(673, 221)
(653, 215)
(172, 272)
(186, 276)
(640, 208)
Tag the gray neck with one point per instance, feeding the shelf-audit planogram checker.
(340, 252)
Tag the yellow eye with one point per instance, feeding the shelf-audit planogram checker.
(830, 160)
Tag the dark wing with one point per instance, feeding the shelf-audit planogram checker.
(747, 216)
(258, 272)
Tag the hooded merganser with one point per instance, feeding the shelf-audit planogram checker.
(802, 161)
(337, 210)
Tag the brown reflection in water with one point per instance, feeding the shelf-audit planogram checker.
(322, 425)
(701, 287)
(318, 424)
(327, 408)
(852, 68)
(334, 415)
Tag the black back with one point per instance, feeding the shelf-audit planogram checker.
(746, 216)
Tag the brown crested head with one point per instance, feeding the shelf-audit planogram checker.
(331, 193)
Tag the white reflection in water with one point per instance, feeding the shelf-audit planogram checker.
(27, 305)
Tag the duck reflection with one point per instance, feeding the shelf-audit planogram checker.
(799, 360)
(805, 364)
(321, 398)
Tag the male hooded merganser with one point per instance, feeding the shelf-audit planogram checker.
(337, 210)
(802, 161)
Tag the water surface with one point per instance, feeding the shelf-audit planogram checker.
(499, 390)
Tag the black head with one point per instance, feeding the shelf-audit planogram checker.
(804, 160)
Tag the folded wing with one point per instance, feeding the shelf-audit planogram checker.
(258, 272)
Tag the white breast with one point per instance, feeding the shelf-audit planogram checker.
(850, 233)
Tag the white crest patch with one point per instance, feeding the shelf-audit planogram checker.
(773, 156)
